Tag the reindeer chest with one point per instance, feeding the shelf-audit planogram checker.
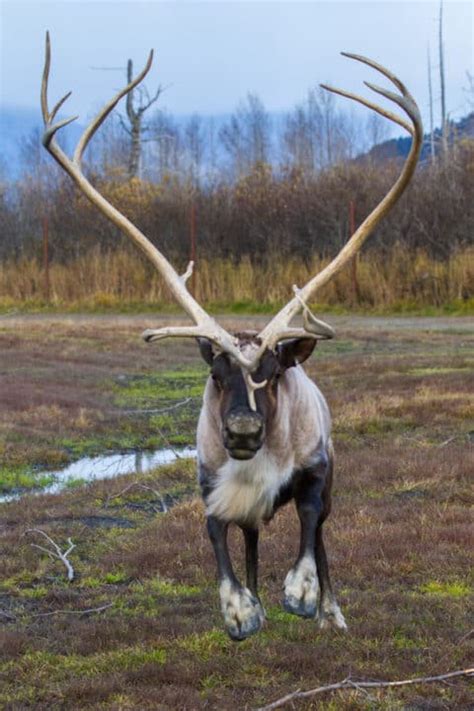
(245, 491)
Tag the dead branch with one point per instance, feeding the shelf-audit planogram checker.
(156, 411)
(7, 615)
(56, 550)
(359, 685)
(89, 611)
(111, 497)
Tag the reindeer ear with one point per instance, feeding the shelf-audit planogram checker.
(295, 351)
(205, 347)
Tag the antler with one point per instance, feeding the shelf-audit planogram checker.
(205, 326)
(278, 329)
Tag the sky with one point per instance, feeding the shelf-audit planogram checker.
(208, 55)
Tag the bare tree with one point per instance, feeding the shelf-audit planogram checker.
(194, 147)
(469, 89)
(135, 113)
(165, 137)
(302, 136)
(430, 92)
(246, 136)
(444, 118)
(378, 129)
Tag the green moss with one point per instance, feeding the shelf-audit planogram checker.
(75, 483)
(402, 641)
(34, 593)
(214, 681)
(446, 589)
(56, 667)
(205, 645)
(92, 582)
(116, 577)
(20, 477)
(154, 389)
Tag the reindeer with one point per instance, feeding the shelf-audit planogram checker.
(264, 432)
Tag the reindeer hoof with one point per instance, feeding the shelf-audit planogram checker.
(331, 617)
(243, 613)
(302, 589)
(302, 608)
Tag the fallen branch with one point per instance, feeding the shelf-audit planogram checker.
(56, 552)
(111, 497)
(74, 612)
(349, 684)
(159, 411)
(7, 615)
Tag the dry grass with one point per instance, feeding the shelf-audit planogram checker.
(115, 279)
(399, 538)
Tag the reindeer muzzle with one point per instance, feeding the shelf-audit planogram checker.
(243, 433)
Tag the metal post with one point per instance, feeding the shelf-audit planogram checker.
(355, 258)
(192, 235)
(46, 257)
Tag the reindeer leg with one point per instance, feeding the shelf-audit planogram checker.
(330, 614)
(301, 583)
(251, 558)
(243, 614)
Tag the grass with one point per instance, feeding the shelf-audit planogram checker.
(396, 282)
(398, 538)
(22, 477)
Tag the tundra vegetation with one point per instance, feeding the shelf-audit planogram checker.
(139, 626)
(271, 202)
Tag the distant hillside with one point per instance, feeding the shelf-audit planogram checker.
(18, 125)
(15, 124)
(399, 147)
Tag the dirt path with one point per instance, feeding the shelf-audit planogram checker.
(341, 323)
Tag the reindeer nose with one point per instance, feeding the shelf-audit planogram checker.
(244, 423)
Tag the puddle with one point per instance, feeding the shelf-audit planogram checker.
(105, 467)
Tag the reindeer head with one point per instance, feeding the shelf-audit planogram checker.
(247, 404)
(245, 370)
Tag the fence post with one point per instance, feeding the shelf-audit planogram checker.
(192, 234)
(46, 258)
(355, 258)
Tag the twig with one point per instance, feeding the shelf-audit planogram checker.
(7, 615)
(348, 684)
(448, 441)
(74, 612)
(167, 442)
(56, 553)
(139, 486)
(154, 411)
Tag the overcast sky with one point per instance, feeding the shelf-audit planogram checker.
(210, 54)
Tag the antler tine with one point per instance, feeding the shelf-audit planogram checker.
(45, 80)
(102, 115)
(375, 107)
(151, 334)
(379, 68)
(48, 117)
(50, 131)
(278, 328)
(58, 106)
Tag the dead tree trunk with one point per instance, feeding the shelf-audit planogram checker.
(135, 119)
(430, 92)
(444, 122)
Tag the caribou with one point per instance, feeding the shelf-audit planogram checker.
(264, 431)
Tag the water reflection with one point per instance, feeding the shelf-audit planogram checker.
(106, 467)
